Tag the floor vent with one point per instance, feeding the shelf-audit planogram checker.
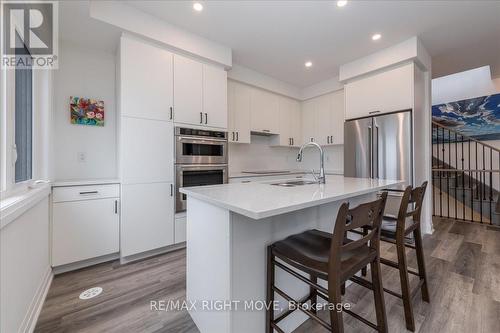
(91, 293)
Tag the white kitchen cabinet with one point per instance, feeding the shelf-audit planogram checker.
(323, 114)
(289, 122)
(146, 80)
(146, 151)
(147, 217)
(180, 229)
(337, 118)
(188, 91)
(85, 223)
(389, 91)
(264, 111)
(309, 121)
(238, 112)
(214, 96)
(322, 119)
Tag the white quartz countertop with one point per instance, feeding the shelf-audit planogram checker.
(80, 182)
(259, 200)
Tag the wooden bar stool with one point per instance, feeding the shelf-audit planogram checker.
(396, 230)
(333, 258)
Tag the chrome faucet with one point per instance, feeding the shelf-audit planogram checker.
(321, 179)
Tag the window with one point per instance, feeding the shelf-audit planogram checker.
(23, 119)
(16, 126)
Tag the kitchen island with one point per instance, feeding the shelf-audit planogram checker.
(228, 229)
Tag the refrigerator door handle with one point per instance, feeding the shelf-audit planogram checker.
(370, 150)
(377, 158)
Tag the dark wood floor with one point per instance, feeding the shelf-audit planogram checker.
(463, 264)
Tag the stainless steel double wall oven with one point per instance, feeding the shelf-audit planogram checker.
(200, 159)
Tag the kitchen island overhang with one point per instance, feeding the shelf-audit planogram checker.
(228, 230)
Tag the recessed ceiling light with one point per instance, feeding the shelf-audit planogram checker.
(198, 6)
(308, 64)
(341, 3)
(376, 37)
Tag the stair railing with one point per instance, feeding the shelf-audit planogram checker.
(466, 177)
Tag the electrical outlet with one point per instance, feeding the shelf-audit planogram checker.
(82, 157)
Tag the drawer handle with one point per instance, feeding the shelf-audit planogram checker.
(89, 192)
(372, 112)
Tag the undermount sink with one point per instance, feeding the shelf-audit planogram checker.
(295, 183)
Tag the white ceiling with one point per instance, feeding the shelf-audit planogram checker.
(277, 37)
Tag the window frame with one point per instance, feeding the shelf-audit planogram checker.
(8, 185)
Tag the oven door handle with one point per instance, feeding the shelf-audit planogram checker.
(199, 139)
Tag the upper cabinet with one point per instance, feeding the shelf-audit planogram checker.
(264, 111)
(146, 80)
(238, 96)
(323, 119)
(215, 96)
(289, 122)
(188, 91)
(385, 92)
(199, 93)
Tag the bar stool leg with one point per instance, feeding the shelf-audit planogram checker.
(378, 295)
(363, 270)
(269, 290)
(421, 264)
(313, 293)
(336, 318)
(405, 285)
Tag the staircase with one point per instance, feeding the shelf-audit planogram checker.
(466, 177)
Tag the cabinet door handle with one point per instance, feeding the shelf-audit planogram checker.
(328, 139)
(201, 117)
(206, 118)
(233, 135)
(312, 139)
(116, 206)
(372, 112)
(171, 113)
(89, 192)
(331, 138)
(293, 141)
(171, 190)
(289, 141)
(237, 136)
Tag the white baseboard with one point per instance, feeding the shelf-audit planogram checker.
(152, 253)
(85, 263)
(29, 322)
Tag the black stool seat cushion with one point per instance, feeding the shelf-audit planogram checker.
(389, 223)
(311, 249)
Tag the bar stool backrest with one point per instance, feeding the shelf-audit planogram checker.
(365, 215)
(411, 204)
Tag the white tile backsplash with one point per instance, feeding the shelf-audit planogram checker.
(259, 155)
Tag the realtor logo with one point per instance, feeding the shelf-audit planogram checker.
(29, 34)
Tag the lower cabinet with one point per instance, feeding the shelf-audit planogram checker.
(85, 223)
(147, 217)
(180, 229)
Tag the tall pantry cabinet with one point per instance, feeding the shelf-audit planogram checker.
(145, 90)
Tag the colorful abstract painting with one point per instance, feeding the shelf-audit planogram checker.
(478, 117)
(86, 111)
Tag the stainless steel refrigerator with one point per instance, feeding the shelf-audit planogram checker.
(379, 147)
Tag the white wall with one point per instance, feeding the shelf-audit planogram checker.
(259, 155)
(24, 267)
(251, 77)
(84, 72)
(464, 85)
(496, 82)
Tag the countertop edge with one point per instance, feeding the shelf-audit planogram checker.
(278, 211)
